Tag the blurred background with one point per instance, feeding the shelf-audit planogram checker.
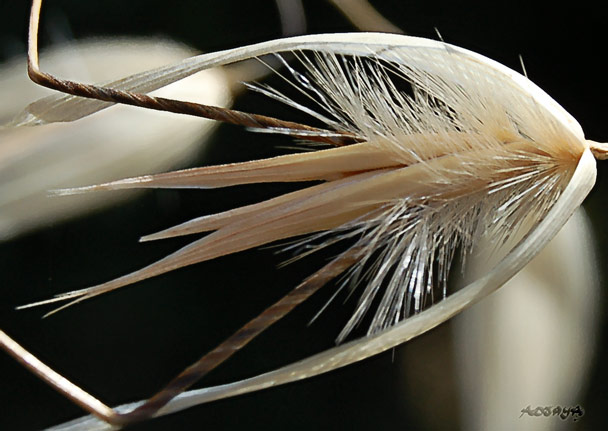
(124, 346)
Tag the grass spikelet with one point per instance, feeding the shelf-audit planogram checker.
(439, 164)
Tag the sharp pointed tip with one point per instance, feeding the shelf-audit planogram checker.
(151, 237)
(78, 190)
(75, 297)
(163, 234)
(64, 192)
(56, 310)
(128, 183)
(38, 303)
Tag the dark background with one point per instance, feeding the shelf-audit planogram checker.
(125, 345)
